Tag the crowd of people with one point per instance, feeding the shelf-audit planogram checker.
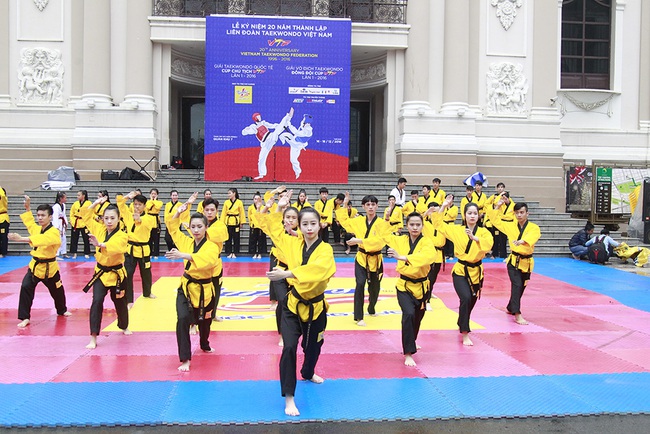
(418, 234)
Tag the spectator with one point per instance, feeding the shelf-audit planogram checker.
(608, 241)
(578, 241)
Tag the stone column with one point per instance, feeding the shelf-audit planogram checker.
(96, 83)
(118, 44)
(416, 73)
(644, 65)
(456, 54)
(139, 56)
(5, 100)
(545, 58)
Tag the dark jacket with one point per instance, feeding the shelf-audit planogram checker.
(579, 238)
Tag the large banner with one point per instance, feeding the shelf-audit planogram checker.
(277, 99)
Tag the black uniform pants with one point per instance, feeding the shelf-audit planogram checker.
(154, 241)
(336, 230)
(449, 249)
(144, 264)
(217, 281)
(412, 313)
(232, 244)
(280, 289)
(4, 238)
(312, 341)
(325, 234)
(187, 317)
(500, 242)
(518, 282)
(169, 241)
(373, 279)
(467, 301)
(97, 307)
(257, 242)
(28, 289)
(74, 241)
(433, 276)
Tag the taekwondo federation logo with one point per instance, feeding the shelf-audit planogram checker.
(259, 71)
(243, 94)
(330, 72)
(277, 42)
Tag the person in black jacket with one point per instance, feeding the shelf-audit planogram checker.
(578, 240)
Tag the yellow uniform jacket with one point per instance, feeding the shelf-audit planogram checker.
(395, 218)
(263, 222)
(310, 276)
(300, 206)
(99, 210)
(170, 210)
(218, 234)
(113, 254)
(479, 199)
(138, 232)
(521, 257)
(200, 268)
(437, 238)
(414, 271)
(373, 235)
(456, 234)
(4, 215)
(450, 214)
(410, 207)
(153, 207)
(233, 213)
(76, 221)
(45, 242)
(325, 210)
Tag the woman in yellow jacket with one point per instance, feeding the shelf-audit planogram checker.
(471, 243)
(414, 254)
(233, 216)
(111, 244)
(310, 265)
(195, 296)
(77, 224)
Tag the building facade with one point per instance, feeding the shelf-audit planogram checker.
(516, 89)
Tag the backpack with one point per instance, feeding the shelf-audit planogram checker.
(597, 253)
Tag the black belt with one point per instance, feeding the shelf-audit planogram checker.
(309, 303)
(420, 280)
(42, 261)
(281, 264)
(105, 269)
(362, 250)
(475, 288)
(199, 282)
(138, 244)
(394, 223)
(509, 221)
(519, 257)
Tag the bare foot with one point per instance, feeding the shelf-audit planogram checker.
(317, 379)
(24, 323)
(520, 319)
(74, 256)
(218, 319)
(290, 408)
(274, 304)
(152, 296)
(193, 329)
(466, 340)
(418, 347)
(87, 256)
(429, 308)
(361, 323)
(185, 366)
(208, 350)
(408, 360)
(129, 306)
(93, 343)
(67, 313)
(127, 332)
(281, 342)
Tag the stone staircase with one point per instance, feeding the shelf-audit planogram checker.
(557, 228)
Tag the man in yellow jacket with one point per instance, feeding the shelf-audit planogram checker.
(45, 241)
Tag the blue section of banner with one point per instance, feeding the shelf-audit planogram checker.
(267, 66)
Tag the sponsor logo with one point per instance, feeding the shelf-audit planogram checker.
(298, 100)
(243, 94)
(277, 42)
(330, 101)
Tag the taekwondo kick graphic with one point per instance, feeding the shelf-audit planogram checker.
(298, 139)
(267, 138)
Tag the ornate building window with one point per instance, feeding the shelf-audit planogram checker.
(586, 44)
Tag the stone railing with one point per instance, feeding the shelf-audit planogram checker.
(364, 11)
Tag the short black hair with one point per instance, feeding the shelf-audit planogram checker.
(399, 181)
(45, 207)
(414, 192)
(323, 190)
(520, 205)
(436, 180)
(369, 198)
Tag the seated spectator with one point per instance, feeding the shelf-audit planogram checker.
(608, 241)
(578, 241)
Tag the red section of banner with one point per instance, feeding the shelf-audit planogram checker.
(316, 166)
